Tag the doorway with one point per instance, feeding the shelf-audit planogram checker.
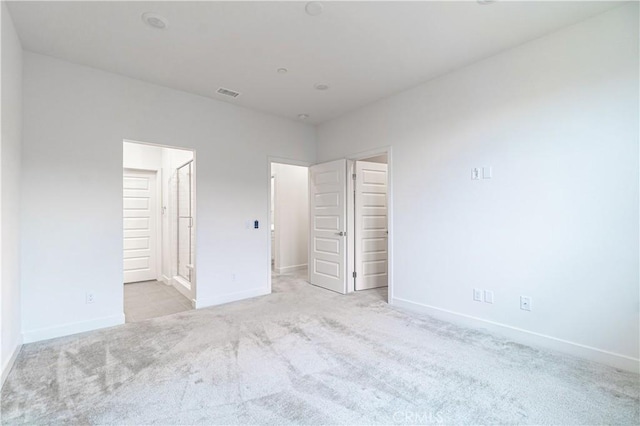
(289, 219)
(159, 230)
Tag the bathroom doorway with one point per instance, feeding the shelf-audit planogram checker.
(159, 223)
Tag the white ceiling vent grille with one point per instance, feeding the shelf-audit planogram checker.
(228, 92)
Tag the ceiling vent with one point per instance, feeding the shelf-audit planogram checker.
(228, 92)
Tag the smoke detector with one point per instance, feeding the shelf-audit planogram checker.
(314, 8)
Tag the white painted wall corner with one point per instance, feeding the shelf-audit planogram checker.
(6, 369)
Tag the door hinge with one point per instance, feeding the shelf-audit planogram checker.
(353, 176)
(355, 274)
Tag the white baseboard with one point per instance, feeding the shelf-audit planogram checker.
(6, 369)
(165, 279)
(288, 269)
(72, 328)
(232, 297)
(525, 337)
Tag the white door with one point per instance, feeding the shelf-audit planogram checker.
(371, 254)
(140, 222)
(327, 242)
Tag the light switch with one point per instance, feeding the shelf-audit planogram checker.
(488, 296)
(486, 172)
(477, 295)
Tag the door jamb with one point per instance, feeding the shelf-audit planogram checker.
(279, 160)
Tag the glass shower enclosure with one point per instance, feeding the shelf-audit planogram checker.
(185, 229)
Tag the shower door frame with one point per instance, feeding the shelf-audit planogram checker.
(191, 232)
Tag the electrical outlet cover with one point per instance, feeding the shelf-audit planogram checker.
(525, 303)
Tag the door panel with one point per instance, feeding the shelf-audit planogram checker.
(371, 242)
(327, 262)
(139, 223)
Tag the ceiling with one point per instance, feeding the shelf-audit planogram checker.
(363, 51)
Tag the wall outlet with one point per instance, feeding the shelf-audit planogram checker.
(475, 173)
(233, 277)
(89, 298)
(477, 295)
(525, 303)
(488, 296)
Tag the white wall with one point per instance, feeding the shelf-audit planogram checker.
(141, 156)
(557, 119)
(291, 216)
(75, 119)
(10, 147)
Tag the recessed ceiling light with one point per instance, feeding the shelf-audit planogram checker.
(320, 86)
(282, 70)
(303, 116)
(484, 2)
(155, 21)
(314, 8)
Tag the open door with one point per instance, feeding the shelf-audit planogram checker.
(371, 235)
(328, 213)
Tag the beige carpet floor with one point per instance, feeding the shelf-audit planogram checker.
(303, 355)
